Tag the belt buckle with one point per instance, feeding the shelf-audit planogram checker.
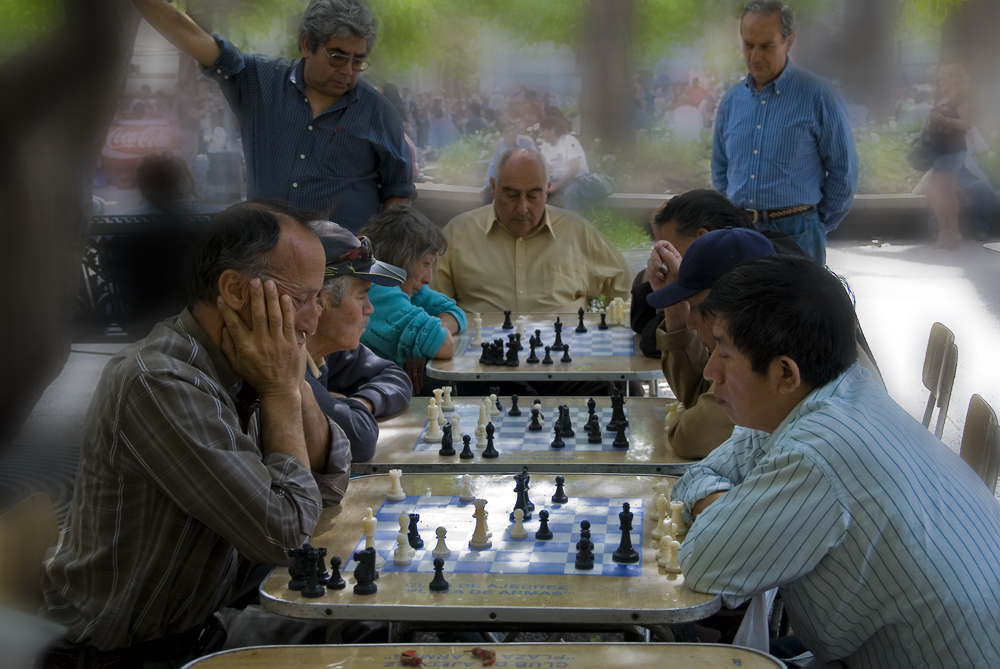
(754, 215)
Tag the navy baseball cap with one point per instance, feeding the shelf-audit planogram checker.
(347, 255)
(707, 260)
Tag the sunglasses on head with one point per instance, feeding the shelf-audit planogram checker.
(362, 253)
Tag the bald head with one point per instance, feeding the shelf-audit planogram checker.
(519, 190)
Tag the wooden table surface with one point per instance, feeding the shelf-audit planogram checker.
(649, 451)
(561, 655)
(464, 367)
(649, 599)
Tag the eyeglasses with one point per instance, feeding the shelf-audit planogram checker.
(338, 60)
(363, 253)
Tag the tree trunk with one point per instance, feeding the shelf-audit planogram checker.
(59, 98)
(969, 37)
(868, 52)
(606, 97)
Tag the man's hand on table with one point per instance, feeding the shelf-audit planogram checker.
(358, 398)
(449, 323)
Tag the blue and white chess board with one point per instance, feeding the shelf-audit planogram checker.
(556, 556)
(512, 433)
(616, 340)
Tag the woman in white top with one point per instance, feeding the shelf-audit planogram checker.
(566, 161)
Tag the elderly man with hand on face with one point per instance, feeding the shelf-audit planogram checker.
(882, 540)
(353, 386)
(522, 255)
(204, 449)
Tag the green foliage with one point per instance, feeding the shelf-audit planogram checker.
(465, 162)
(884, 168)
(932, 12)
(621, 232)
(24, 21)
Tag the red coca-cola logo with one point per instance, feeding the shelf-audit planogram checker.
(126, 140)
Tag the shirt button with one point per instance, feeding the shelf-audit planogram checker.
(751, 201)
(218, 71)
(758, 127)
(225, 76)
(755, 151)
(520, 292)
(310, 127)
(520, 264)
(303, 156)
(295, 185)
(752, 176)
(763, 102)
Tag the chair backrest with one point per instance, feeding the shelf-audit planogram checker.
(27, 529)
(981, 441)
(940, 366)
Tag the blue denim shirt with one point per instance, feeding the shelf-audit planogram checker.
(344, 163)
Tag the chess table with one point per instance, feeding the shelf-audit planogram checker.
(400, 443)
(498, 588)
(598, 355)
(508, 656)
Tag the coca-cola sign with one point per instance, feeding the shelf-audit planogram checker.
(129, 139)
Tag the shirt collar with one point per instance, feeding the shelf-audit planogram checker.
(493, 223)
(296, 78)
(228, 379)
(778, 84)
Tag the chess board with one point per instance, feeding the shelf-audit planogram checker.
(615, 341)
(556, 556)
(512, 433)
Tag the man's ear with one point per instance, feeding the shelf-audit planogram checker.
(699, 232)
(234, 289)
(493, 187)
(790, 39)
(789, 377)
(304, 46)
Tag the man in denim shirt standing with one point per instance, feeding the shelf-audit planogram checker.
(314, 134)
(783, 148)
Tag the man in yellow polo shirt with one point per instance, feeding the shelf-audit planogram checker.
(522, 255)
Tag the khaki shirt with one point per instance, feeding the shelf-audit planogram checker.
(552, 270)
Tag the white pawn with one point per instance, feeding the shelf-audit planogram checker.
(404, 528)
(664, 525)
(433, 434)
(661, 549)
(396, 493)
(446, 403)
(369, 522)
(493, 406)
(670, 565)
(467, 494)
(441, 550)
(678, 519)
(477, 323)
(456, 427)
(518, 531)
(538, 405)
(402, 554)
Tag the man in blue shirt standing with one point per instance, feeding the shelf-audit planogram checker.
(783, 147)
(314, 134)
(884, 543)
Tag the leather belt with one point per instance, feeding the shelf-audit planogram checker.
(757, 215)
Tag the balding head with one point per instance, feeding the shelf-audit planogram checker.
(519, 190)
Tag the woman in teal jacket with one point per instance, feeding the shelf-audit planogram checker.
(411, 323)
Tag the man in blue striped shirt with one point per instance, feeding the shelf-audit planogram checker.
(885, 545)
(314, 134)
(783, 147)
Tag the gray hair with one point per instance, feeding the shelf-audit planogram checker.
(401, 236)
(519, 150)
(772, 7)
(325, 19)
(336, 287)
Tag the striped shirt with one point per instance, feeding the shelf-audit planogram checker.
(344, 163)
(172, 490)
(885, 544)
(786, 145)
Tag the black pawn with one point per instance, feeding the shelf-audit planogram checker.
(559, 497)
(447, 447)
(413, 536)
(621, 441)
(604, 322)
(297, 570)
(585, 555)
(591, 408)
(314, 588)
(547, 360)
(543, 533)
(507, 325)
(514, 409)
(335, 581)
(565, 357)
(584, 535)
(625, 552)
(594, 433)
(581, 327)
(538, 338)
(491, 451)
(535, 425)
(558, 441)
(532, 357)
(364, 573)
(438, 583)
(466, 453)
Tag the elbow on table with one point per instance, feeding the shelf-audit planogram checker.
(447, 349)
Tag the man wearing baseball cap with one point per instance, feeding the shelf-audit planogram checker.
(685, 336)
(352, 385)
